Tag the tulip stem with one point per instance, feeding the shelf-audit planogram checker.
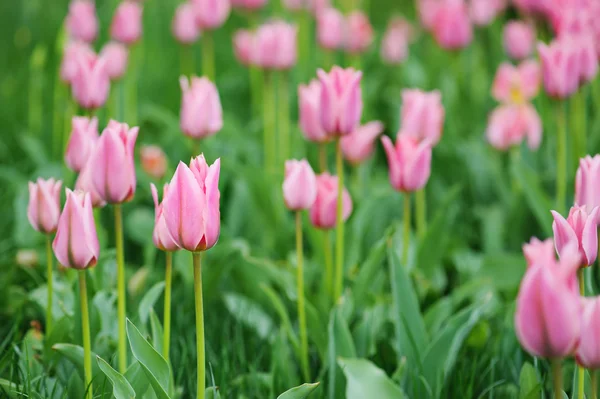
(580, 369)
(269, 121)
(328, 263)
(186, 61)
(339, 239)
(49, 266)
(85, 329)
(208, 56)
(557, 378)
(561, 158)
(167, 311)
(120, 288)
(594, 384)
(300, 288)
(421, 210)
(578, 103)
(406, 237)
(283, 102)
(199, 323)
(323, 157)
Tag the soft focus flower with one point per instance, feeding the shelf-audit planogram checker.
(161, 236)
(211, 14)
(581, 228)
(483, 12)
(394, 45)
(509, 125)
(191, 206)
(359, 32)
(126, 25)
(249, 4)
(76, 242)
(91, 83)
(43, 210)
(243, 46)
(85, 183)
(539, 252)
(82, 22)
(587, 182)
(330, 29)
(70, 64)
(533, 6)
(422, 115)
(452, 28)
(113, 171)
(309, 112)
(358, 145)
(409, 162)
(84, 133)
(201, 112)
(323, 213)
(116, 56)
(519, 39)
(516, 85)
(184, 26)
(427, 10)
(154, 161)
(588, 349)
(275, 45)
(299, 185)
(341, 100)
(559, 68)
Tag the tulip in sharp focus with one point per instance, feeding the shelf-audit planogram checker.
(82, 23)
(452, 28)
(116, 56)
(70, 64)
(587, 182)
(309, 103)
(211, 14)
(519, 39)
(154, 161)
(84, 133)
(539, 252)
(341, 100)
(191, 206)
(323, 213)
(43, 210)
(588, 350)
(581, 228)
(113, 172)
(91, 83)
(299, 185)
(184, 26)
(161, 236)
(359, 33)
(422, 115)
(559, 68)
(127, 22)
(509, 125)
(330, 29)
(76, 242)
(394, 45)
(409, 162)
(201, 112)
(358, 145)
(85, 183)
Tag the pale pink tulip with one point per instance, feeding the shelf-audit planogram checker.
(519, 39)
(587, 182)
(91, 83)
(483, 12)
(161, 236)
(43, 209)
(84, 133)
(126, 25)
(359, 33)
(116, 56)
(358, 145)
(211, 14)
(409, 162)
(422, 115)
(243, 46)
(309, 112)
(588, 350)
(560, 68)
(323, 213)
(539, 252)
(427, 10)
(85, 183)
(184, 26)
(70, 64)
(516, 85)
(452, 28)
(275, 46)
(581, 228)
(341, 100)
(330, 29)
(394, 45)
(82, 22)
(509, 125)
(299, 185)
(201, 112)
(154, 161)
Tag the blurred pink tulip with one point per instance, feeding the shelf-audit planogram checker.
(519, 39)
(588, 349)
(330, 29)
(116, 56)
(581, 228)
(533, 6)
(70, 64)
(341, 100)
(249, 4)
(516, 85)
(84, 133)
(394, 45)
(43, 210)
(161, 236)
(539, 252)
(559, 68)
(82, 22)
(184, 26)
(483, 12)
(358, 145)
(309, 113)
(91, 83)
(243, 46)
(275, 45)
(201, 112)
(211, 14)
(85, 183)
(422, 115)
(113, 172)
(359, 33)
(452, 28)
(191, 206)
(427, 10)
(587, 57)
(509, 125)
(76, 242)
(587, 182)
(548, 317)
(154, 161)
(126, 25)
(299, 185)
(409, 162)
(323, 213)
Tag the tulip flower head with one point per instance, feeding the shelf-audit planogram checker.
(559, 68)
(323, 212)
(161, 236)
(394, 45)
(275, 45)
(587, 182)
(116, 56)
(85, 183)
(509, 125)
(299, 185)
(184, 26)
(519, 39)
(201, 112)
(539, 252)
(359, 145)
(91, 83)
(243, 47)
(588, 350)
(70, 64)
(84, 133)
(341, 100)
(422, 115)
(126, 25)
(154, 161)
(451, 24)
(580, 227)
(211, 14)
(82, 22)
(43, 209)
(359, 33)
(309, 104)
(330, 29)
(409, 162)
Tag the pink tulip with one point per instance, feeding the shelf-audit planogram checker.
(587, 182)
(84, 133)
(483, 12)
(211, 14)
(572, 18)
(519, 39)
(452, 28)
(559, 68)
(587, 57)
(359, 33)
(427, 10)
(126, 25)
(394, 46)
(409, 162)
(330, 29)
(113, 173)
(116, 56)
(323, 213)
(76, 242)
(341, 100)
(191, 206)
(358, 145)
(275, 46)
(516, 85)
(249, 5)
(91, 83)
(43, 210)
(299, 185)
(85, 183)
(82, 22)
(422, 115)
(154, 161)
(201, 112)
(539, 252)
(533, 6)
(243, 46)
(309, 113)
(161, 236)
(70, 64)
(588, 350)
(580, 227)
(547, 317)
(509, 125)
(184, 26)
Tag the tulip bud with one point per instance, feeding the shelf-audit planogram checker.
(84, 133)
(519, 39)
(85, 183)
(330, 29)
(116, 56)
(70, 64)
(309, 112)
(91, 83)
(394, 45)
(359, 33)
(275, 46)
(154, 161)
(201, 112)
(43, 210)
(82, 22)
(341, 100)
(409, 162)
(127, 22)
(160, 236)
(559, 68)
(581, 228)
(452, 28)
(509, 125)
(184, 27)
(299, 185)
(422, 115)
(323, 213)
(587, 182)
(211, 14)
(76, 242)
(358, 145)
(483, 12)
(539, 252)
(588, 350)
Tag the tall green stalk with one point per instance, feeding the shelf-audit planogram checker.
(305, 28)
(49, 266)
(121, 299)
(167, 310)
(594, 384)
(339, 239)
(328, 263)
(561, 159)
(199, 324)
(85, 328)
(557, 378)
(581, 370)
(208, 55)
(300, 289)
(421, 210)
(283, 114)
(406, 236)
(186, 60)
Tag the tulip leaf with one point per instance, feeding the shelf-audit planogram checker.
(137, 378)
(157, 332)
(212, 393)
(299, 392)
(370, 267)
(250, 314)
(529, 384)
(340, 345)
(121, 387)
(10, 389)
(365, 380)
(74, 353)
(149, 300)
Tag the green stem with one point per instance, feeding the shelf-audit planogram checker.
(186, 60)
(328, 59)
(561, 159)
(132, 86)
(339, 240)
(167, 311)
(256, 88)
(49, 261)
(301, 309)
(58, 115)
(120, 288)
(283, 114)
(594, 384)
(421, 210)
(85, 328)
(557, 378)
(328, 263)
(406, 242)
(269, 121)
(208, 56)
(199, 324)
(580, 370)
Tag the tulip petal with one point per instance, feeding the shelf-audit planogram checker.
(563, 233)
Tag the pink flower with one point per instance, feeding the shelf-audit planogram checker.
(533, 6)
(539, 252)
(587, 182)
(341, 100)
(516, 85)
(76, 242)
(91, 83)
(509, 125)
(394, 46)
(70, 64)
(309, 113)
(483, 12)
(323, 213)
(191, 206)
(409, 162)
(422, 115)
(113, 173)
(250, 5)
(211, 14)
(82, 22)
(184, 26)
(43, 210)
(588, 350)
(560, 69)
(519, 39)
(359, 33)
(581, 228)
(116, 56)
(85, 183)
(201, 112)
(161, 236)
(243, 46)
(427, 10)
(452, 28)
(275, 45)
(126, 25)
(154, 161)
(299, 185)
(330, 29)
(587, 57)
(358, 145)
(84, 133)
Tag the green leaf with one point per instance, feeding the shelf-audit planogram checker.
(529, 384)
(365, 380)
(75, 354)
(121, 387)
(157, 332)
(370, 267)
(149, 300)
(281, 310)
(10, 388)
(139, 225)
(300, 392)
(504, 270)
(137, 378)
(250, 314)
(212, 393)
(340, 345)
